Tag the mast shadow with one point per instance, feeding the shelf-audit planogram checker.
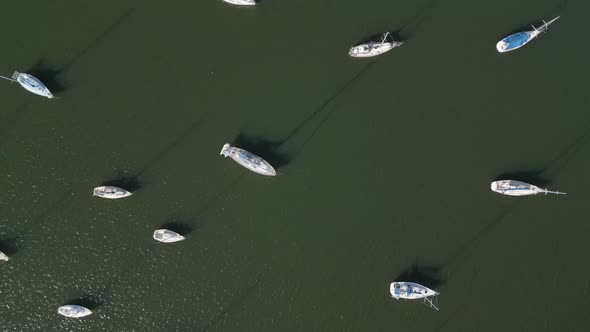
(100, 38)
(408, 30)
(264, 148)
(321, 110)
(425, 275)
(533, 177)
(467, 249)
(129, 183)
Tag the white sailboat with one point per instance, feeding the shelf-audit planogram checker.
(374, 48)
(30, 83)
(519, 39)
(518, 188)
(110, 192)
(241, 2)
(167, 236)
(3, 256)
(248, 160)
(413, 291)
(74, 311)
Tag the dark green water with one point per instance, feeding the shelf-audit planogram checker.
(384, 170)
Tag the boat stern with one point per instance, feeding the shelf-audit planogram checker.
(494, 186)
(393, 290)
(225, 150)
(97, 191)
(501, 46)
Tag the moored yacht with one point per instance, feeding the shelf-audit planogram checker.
(75, 311)
(413, 291)
(374, 48)
(3, 256)
(518, 188)
(241, 2)
(30, 83)
(248, 160)
(519, 39)
(167, 236)
(110, 192)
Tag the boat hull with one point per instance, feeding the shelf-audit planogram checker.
(248, 160)
(519, 39)
(110, 192)
(241, 2)
(515, 188)
(167, 236)
(410, 290)
(373, 49)
(3, 257)
(33, 85)
(73, 311)
(515, 41)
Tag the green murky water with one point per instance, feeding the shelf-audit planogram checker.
(384, 166)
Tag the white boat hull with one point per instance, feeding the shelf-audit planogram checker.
(519, 39)
(3, 257)
(248, 160)
(374, 48)
(73, 311)
(518, 188)
(32, 84)
(369, 50)
(110, 192)
(502, 46)
(241, 2)
(410, 290)
(167, 236)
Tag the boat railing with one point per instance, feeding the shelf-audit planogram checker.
(545, 25)
(431, 301)
(387, 34)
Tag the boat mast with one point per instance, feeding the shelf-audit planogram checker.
(384, 38)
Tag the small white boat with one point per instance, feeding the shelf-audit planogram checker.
(374, 48)
(241, 2)
(413, 291)
(248, 160)
(3, 256)
(167, 236)
(110, 192)
(72, 310)
(519, 39)
(518, 188)
(30, 83)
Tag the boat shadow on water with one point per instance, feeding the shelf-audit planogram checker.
(47, 74)
(9, 246)
(264, 148)
(425, 275)
(180, 226)
(129, 183)
(87, 300)
(534, 177)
